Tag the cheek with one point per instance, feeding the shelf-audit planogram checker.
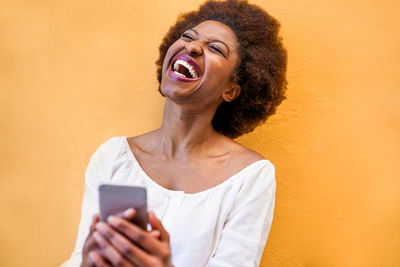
(165, 62)
(170, 53)
(221, 73)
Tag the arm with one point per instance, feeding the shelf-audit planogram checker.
(246, 229)
(89, 208)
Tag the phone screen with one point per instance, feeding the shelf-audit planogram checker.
(115, 199)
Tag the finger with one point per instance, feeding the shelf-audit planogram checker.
(90, 243)
(129, 250)
(95, 219)
(139, 236)
(157, 225)
(155, 234)
(96, 260)
(110, 252)
(129, 214)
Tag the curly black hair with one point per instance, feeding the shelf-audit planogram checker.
(261, 68)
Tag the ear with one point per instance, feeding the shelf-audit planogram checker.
(231, 92)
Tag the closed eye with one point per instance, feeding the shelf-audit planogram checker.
(187, 36)
(217, 50)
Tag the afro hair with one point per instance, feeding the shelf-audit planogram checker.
(261, 69)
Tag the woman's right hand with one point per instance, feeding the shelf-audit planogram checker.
(90, 248)
(92, 252)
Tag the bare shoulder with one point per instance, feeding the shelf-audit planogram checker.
(243, 156)
(141, 143)
(248, 153)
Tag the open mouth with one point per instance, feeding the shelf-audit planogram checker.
(185, 69)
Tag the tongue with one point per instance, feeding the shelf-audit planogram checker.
(184, 71)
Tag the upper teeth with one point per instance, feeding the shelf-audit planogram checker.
(186, 65)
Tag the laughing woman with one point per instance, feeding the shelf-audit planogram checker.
(222, 70)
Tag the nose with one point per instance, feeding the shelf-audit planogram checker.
(194, 48)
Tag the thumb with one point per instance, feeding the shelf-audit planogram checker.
(157, 225)
(95, 219)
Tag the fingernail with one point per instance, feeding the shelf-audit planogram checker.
(92, 257)
(101, 226)
(99, 239)
(129, 212)
(157, 233)
(113, 220)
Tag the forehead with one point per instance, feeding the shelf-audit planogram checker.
(215, 30)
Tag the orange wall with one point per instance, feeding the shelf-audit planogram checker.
(74, 73)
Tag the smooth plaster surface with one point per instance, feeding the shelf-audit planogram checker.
(75, 73)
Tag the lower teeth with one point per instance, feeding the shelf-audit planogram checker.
(180, 74)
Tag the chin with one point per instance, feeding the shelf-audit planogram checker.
(179, 94)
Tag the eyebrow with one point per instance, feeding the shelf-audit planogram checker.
(219, 41)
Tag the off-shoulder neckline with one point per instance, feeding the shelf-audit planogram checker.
(170, 191)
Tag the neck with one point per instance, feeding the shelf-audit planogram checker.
(186, 130)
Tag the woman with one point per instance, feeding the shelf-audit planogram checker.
(222, 71)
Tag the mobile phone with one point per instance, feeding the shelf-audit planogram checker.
(115, 199)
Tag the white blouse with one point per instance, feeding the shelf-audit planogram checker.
(226, 225)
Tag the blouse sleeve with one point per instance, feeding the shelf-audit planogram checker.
(89, 208)
(247, 227)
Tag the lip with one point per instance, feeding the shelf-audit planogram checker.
(188, 59)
